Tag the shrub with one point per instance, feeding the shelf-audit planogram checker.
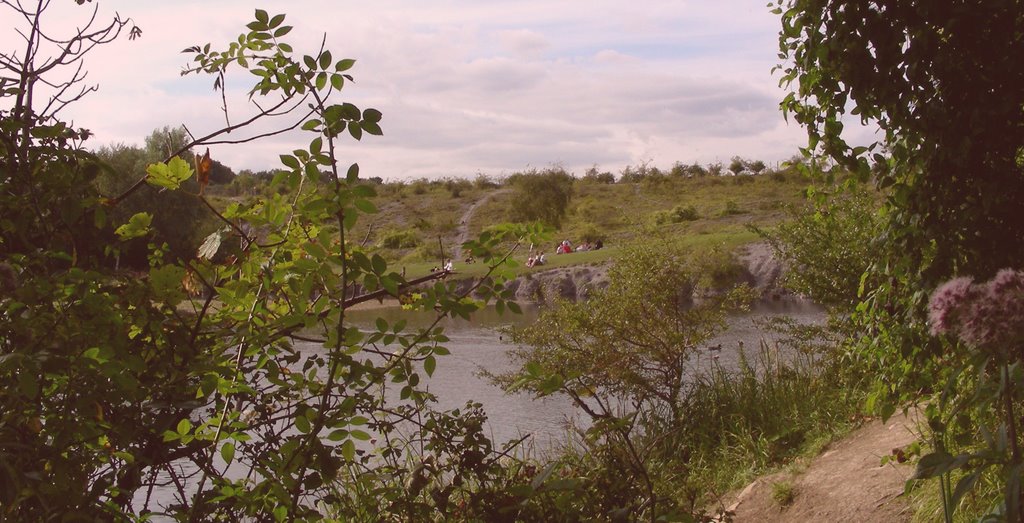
(482, 181)
(456, 186)
(782, 493)
(732, 208)
(676, 215)
(593, 176)
(541, 196)
(405, 239)
(590, 233)
(420, 186)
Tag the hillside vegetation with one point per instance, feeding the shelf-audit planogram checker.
(417, 218)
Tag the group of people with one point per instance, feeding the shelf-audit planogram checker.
(563, 248)
(448, 266)
(566, 247)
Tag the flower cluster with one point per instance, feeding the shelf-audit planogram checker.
(986, 315)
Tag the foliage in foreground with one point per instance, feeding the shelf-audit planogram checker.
(949, 162)
(191, 378)
(659, 426)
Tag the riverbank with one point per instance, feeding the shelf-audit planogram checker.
(755, 264)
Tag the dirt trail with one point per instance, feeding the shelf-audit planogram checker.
(462, 232)
(844, 484)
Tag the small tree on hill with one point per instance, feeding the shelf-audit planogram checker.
(541, 196)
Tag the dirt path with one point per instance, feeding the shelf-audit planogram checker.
(462, 232)
(845, 483)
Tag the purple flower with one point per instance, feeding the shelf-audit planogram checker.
(948, 302)
(986, 315)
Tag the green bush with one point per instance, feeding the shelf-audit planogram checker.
(405, 239)
(678, 214)
(456, 186)
(541, 196)
(589, 233)
(732, 208)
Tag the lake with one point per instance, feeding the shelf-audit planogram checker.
(478, 345)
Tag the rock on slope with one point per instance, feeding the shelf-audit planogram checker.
(760, 269)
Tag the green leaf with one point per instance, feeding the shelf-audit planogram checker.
(325, 59)
(371, 128)
(938, 463)
(379, 264)
(372, 115)
(227, 452)
(302, 424)
(353, 173)
(344, 65)
(348, 450)
(168, 175)
(262, 16)
(276, 21)
(337, 81)
(184, 426)
(356, 132)
(138, 225)
(282, 31)
(429, 364)
(290, 161)
(166, 284)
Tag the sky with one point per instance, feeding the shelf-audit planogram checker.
(467, 87)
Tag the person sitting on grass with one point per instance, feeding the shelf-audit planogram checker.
(531, 261)
(540, 259)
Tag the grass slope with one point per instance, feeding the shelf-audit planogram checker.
(417, 220)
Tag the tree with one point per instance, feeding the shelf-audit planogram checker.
(541, 196)
(624, 358)
(828, 244)
(942, 82)
(737, 164)
(178, 219)
(593, 175)
(188, 374)
(950, 108)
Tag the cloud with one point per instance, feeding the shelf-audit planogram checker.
(469, 87)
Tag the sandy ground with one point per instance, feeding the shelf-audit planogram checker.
(846, 483)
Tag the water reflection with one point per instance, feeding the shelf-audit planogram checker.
(477, 345)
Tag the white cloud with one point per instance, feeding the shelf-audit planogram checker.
(469, 87)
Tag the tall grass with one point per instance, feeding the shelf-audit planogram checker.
(772, 408)
(743, 421)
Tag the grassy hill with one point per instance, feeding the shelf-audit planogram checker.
(416, 219)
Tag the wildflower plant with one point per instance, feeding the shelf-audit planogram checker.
(987, 318)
